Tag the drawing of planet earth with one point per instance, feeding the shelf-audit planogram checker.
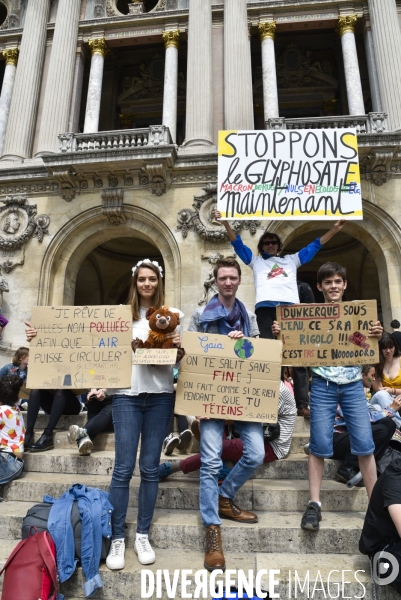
(244, 348)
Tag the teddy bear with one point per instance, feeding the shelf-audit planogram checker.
(161, 322)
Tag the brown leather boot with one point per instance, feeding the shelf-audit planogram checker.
(229, 510)
(214, 557)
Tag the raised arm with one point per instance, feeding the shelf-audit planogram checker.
(232, 236)
(332, 232)
(306, 254)
(243, 252)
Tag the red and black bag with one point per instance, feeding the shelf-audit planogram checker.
(30, 571)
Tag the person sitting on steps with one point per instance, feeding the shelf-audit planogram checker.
(99, 418)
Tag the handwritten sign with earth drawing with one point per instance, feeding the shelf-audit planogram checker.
(80, 347)
(289, 174)
(223, 378)
(324, 335)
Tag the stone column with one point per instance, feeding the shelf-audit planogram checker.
(99, 50)
(73, 121)
(238, 99)
(60, 77)
(199, 106)
(267, 33)
(171, 43)
(387, 43)
(346, 30)
(372, 70)
(24, 102)
(11, 57)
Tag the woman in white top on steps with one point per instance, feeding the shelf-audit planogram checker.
(141, 411)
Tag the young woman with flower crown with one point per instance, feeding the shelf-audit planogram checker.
(143, 410)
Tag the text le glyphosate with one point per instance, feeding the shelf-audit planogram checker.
(289, 174)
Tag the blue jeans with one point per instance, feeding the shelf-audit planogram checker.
(211, 446)
(324, 398)
(145, 415)
(10, 467)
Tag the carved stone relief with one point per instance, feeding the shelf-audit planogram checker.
(113, 205)
(154, 176)
(376, 166)
(18, 223)
(202, 220)
(209, 285)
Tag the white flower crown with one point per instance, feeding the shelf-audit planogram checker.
(147, 261)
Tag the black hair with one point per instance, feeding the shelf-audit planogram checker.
(366, 369)
(269, 236)
(329, 269)
(395, 324)
(387, 341)
(10, 386)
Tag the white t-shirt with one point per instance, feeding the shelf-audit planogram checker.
(276, 278)
(145, 378)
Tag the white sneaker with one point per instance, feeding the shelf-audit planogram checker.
(85, 446)
(144, 550)
(170, 442)
(75, 432)
(115, 558)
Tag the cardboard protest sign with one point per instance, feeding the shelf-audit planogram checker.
(155, 356)
(224, 378)
(289, 174)
(320, 335)
(80, 347)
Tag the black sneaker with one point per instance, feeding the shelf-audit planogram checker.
(311, 517)
(185, 440)
(344, 474)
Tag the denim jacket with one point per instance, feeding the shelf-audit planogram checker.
(95, 512)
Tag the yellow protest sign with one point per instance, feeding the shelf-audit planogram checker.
(80, 347)
(289, 174)
(332, 334)
(223, 378)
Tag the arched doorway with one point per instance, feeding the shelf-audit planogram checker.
(104, 275)
(80, 236)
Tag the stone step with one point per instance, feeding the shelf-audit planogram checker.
(105, 441)
(64, 422)
(126, 584)
(301, 425)
(298, 442)
(101, 463)
(183, 493)
(182, 529)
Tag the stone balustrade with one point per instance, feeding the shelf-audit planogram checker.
(374, 122)
(155, 135)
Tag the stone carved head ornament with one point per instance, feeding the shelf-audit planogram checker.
(143, 263)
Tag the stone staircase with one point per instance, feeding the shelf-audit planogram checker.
(278, 493)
